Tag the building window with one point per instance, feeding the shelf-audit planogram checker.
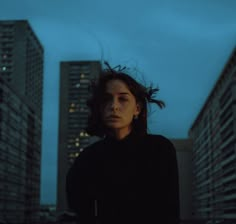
(82, 75)
(77, 85)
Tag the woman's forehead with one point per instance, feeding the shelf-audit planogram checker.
(117, 87)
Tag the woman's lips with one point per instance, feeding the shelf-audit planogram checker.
(113, 117)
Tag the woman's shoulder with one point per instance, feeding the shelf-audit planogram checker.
(91, 150)
(160, 143)
(158, 139)
(94, 146)
(88, 156)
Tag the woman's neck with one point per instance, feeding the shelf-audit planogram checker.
(119, 134)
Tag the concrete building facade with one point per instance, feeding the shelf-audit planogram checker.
(21, 75)
(75, 78)
(214, 151)
(22, 60)
(184, 158)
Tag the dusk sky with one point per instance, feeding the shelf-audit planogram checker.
(179, 45)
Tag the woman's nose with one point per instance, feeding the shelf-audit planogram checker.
(114, 105)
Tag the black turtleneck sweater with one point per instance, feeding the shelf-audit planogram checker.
(133, 180)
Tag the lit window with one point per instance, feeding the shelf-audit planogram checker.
(73, 155)
(71, 110)
(81, 149)
(77, 144)
(81, 133)
(77, 139)
(82, 76)
(76, 154)
(72, 105)
(77, 85)
(4, 56)
(4, 68)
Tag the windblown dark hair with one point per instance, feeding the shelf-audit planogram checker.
(142, 94)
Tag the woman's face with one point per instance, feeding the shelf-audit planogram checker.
(119, 108)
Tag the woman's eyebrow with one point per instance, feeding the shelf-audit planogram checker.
(124, 93)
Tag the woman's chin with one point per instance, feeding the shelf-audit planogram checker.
(113, 126)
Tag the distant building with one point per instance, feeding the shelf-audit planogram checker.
(184, 159)
(214, 151)
(75, 77)
(67, 218)
(21, 75)
(48, 214)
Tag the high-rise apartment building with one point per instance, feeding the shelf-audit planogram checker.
(22, 60)
(214, 151)
(184, 158)
(75, 77)
(21, 80)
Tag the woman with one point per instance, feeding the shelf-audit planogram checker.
(129, 176)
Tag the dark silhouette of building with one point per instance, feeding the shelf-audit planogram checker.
(184, 159)
(21, 75)
(48, 214)
(75, 77)
(214, 151)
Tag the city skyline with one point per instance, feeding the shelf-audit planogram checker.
(180, 47)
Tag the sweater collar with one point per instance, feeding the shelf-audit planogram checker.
(131, 137)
